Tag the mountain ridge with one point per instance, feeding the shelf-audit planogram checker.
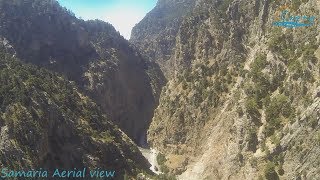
(91, 53)
(47, 123)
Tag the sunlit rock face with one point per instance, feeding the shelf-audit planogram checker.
(241, 99)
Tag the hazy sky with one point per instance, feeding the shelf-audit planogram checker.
(122, 14)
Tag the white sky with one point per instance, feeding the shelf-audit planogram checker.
(122, 14)
(124, 19)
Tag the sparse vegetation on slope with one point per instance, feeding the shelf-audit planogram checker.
(243, 94)
(46, 122)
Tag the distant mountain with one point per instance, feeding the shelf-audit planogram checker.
(243, 96)
(47, 123)
(155, 35)
(91, 53)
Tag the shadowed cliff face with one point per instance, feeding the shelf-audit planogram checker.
(242, 100)
(46, 122)
(91, 53)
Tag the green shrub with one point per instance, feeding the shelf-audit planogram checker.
(279, 74)
(308, 76)
(263, 146)
(278, 159)
(164, 169)
(240, 157)
(252, 140)
(269, 172)
(222, 7)
(260, 61)
(280, 170)
(275, 140)
(258, 65)
(161, 159)
(165, 177)
(252, 110)
(308, 54)
(313, 120)
(282, 44)
(279, 106)
(296, 68)
(240, 111)
(296, 4)
(261, 89)
(253, 162)
(266, 101)
(318, 139)
(184, 85)
(272, 126)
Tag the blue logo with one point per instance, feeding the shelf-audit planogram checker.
(291, 21)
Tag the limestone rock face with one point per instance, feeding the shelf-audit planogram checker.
(91, 53)
(242, 94)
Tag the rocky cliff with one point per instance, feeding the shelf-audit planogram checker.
(155, 35)
(47, 123)
(242, 100)
(91, 53)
